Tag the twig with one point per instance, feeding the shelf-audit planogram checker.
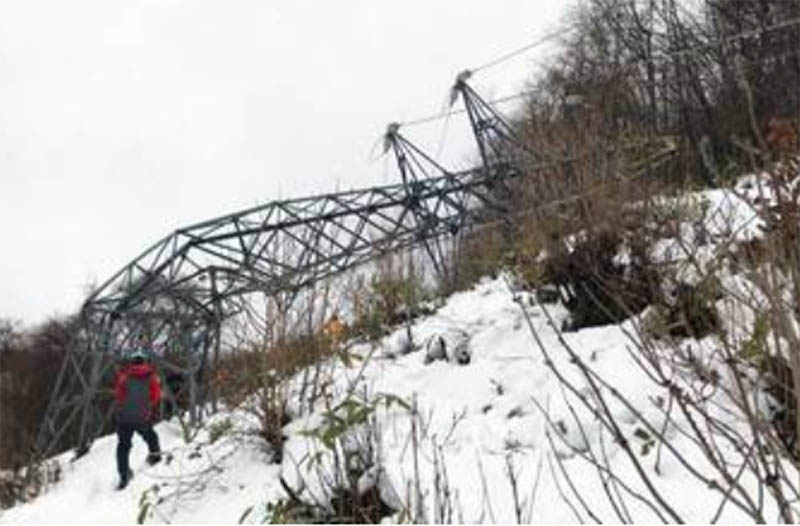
(561, 491)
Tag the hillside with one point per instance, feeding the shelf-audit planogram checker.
(598, 320)
(519, 433)
(478, 415)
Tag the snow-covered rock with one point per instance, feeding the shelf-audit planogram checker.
(451, 346)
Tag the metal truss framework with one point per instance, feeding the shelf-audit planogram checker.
(181, 290)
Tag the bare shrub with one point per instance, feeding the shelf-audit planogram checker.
(393, 294)
(573, 221)
(256, 380)
(776, 293)
(478, 253)
(735, 399)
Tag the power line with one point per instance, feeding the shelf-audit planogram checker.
(561, 32)
(536, 43)
(624, 66)
(731, 38)
(446, 114)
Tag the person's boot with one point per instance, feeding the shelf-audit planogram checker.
(153, 458)
(124, 480)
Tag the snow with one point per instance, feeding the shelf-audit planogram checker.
(479, 414)
(459, 427)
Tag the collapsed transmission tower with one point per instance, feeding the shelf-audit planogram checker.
(179, 292)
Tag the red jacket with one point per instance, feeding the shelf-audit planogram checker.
(140, 371)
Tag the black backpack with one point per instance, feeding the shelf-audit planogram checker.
(135, 407)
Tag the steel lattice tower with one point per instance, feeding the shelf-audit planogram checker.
(182, 289)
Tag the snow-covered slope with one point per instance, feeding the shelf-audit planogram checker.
(473, 435)
(478, 413)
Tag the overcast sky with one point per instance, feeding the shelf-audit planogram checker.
(122, 120)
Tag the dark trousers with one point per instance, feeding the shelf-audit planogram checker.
(125, 436)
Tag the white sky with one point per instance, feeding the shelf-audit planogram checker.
(121, 120)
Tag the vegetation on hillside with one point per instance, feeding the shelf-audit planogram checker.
(647, 101)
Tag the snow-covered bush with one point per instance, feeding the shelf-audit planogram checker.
(27, 483)
(341, 477)
(598, 289)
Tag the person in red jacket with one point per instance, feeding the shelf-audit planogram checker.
(137, 392)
